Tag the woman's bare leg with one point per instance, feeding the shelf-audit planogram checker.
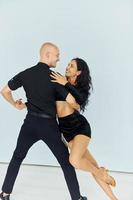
(107, 189)
(77, 159)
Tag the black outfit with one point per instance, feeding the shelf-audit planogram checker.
(40, 124)
(41, 93)
(75, 123)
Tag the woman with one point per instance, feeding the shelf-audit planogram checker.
(74, 126)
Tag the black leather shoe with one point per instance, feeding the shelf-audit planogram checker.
(4, 198)
(83, 198)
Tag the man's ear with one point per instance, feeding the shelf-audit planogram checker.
(79, 72)
(47, 54)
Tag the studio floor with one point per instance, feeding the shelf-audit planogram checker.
(47, 183)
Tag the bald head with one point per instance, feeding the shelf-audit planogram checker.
(47, 47)
(49, 54)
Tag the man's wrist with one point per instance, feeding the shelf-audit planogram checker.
(14, 104)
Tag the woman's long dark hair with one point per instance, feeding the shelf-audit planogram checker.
(83, 81)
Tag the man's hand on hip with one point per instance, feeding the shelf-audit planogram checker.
(19, 104)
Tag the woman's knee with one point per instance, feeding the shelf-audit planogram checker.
(74, 160)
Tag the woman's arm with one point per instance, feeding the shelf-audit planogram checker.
(77, 95)
(58, 78)
(72, 102)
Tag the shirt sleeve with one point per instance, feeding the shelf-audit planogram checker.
(15, 82)
(79, 97)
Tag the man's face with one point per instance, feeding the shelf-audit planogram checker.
(53, 57)
(71, 69)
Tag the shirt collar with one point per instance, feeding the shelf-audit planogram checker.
(43, 65)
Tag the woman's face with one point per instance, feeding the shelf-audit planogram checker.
(71, 69)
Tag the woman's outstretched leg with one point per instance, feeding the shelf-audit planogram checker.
(107, 189)
(77, 159)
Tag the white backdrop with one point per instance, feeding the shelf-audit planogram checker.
(99, 32)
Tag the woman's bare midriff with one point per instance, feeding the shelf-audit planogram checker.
(63, 108)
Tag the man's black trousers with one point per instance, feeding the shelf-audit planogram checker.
(35, 129)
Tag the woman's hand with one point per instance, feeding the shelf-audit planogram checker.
(58, 78)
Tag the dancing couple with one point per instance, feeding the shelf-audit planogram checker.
(50, 96)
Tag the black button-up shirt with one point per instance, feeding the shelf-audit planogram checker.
(41, 93)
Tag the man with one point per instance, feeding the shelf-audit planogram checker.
(40, 122)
